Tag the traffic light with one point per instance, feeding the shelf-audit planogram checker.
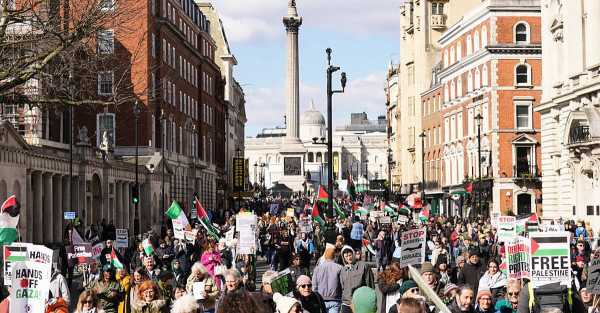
(135, 194)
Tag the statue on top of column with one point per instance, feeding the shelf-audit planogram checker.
(292, 3)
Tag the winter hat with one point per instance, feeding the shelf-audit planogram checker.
(347, 247)
(474, 251)
(303, 280)
(449, 288)
(427, 267)
(364, 300)
(406, 285)
(284, 304)
(482, 293)
(579, 258)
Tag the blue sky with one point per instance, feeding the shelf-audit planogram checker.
(364, 36)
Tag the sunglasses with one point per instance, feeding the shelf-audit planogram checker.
(513, 293)
(414, 290)
(305, 286)
(87, 302)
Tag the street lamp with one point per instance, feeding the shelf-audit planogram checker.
(255, 172)
(136, 191)
(389, 151)
(422, 135)
(479, 118)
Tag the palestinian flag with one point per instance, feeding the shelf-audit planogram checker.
(549, 246)
(424, 215)
(316, 215)
(323, 196)
(148, 248)
(114, 259)
(527, 224)
(390, 211)
(15, 253)
(9, 219)
(176, 213)
(205, 221)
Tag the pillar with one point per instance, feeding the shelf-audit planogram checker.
(37, 208)
(27, 214)
(57, 205)
(119, 200)
(48, 208)
(292, 24)
(126, 198)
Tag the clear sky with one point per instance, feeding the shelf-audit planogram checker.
(364, 36)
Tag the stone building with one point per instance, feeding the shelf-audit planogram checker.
(570, 109)
(392, 90)
(491, 67)
(422, 22)
(359, 149)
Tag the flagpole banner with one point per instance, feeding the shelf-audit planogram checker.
(550, 258)
(31, 287)
(517, 255)
(122, 238)
(593, 283)
(16, 252)
(413, 247)
(506, 228)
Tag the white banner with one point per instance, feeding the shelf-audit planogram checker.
(593, 283)
(178, 229)
(507, 228)
(550, 258)
(246, 226)
(122, 238)
(413, 247)
(30, 289)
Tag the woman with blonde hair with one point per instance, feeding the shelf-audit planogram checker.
(88, 303)
(199, 274)
(148, 300)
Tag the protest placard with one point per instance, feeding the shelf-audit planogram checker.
(494, 219)
(178, 229)
(506, 228)
(122, 238)
(97, 250)
(593, 283)
(413, 247)
(282, 283)
(550, 258)
(16, 252)
(385, 220)
(517, 256)
(198, 290)
(246, 226)
(190, 235)
(305, 225)
(290, 212)
(30, 288)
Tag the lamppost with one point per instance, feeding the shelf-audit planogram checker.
(136, 193)
(255, 172)
(366, 174)
(262, 175)
(162, 149)
(71, 87)
(389, 151)
(422, 135)
(330, 70)
(479, 118)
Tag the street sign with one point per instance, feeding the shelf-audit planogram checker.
(69, 215)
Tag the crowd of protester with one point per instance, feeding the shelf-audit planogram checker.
(343, 264)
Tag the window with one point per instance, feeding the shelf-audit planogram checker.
(459, 87)
(476, 41)
(522, 75)
(153, 45)
(437, 8)
(477, 78)
(470, 81)
(590, 210)
(523, 160)
(164, 50)
(469, 45)
(484, 76)
(523, 114)
(106, 41)
(446, 58)
(105, 83)
(521, 33)
(105, 128)
(459, 51)
(452, 90)
(484, 40)
(452, 55)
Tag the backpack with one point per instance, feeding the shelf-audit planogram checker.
(550, 296)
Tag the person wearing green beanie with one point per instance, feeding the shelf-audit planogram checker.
(364, 300)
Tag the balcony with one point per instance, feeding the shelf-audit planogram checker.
(438, 21)
(579, 134)
(524, 172)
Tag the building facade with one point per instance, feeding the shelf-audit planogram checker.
(392, 94)
(422, 22)
(234, 98)
(491, 80)
(569, 109)
(359, 149)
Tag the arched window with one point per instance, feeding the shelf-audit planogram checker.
(459, 51)
(452, 90)
(311, 157)
(469, 45)
(452, 55)
(484, 39)
(446, 93)
(477, 79)
(459, 86)
(522, 74)
(476, 41)
(521, 33)
(484, 76)
(470, 81)
(319, 157)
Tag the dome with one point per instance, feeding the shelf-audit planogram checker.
(312, 116)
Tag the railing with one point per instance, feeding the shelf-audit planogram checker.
(579, 134)
(525, 171)
(438, 21)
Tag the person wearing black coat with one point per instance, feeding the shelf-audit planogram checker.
(472, 271)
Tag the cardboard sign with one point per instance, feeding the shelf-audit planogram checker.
(190, 235)
(282, 283)
(517, 255)
(413, 247)
(96, 250)
(506, 228)
(550, 258)
(31, 287)
(198, 290)
(80, 254)
(593, 283)
(494, 219)
(16, 252)
(385, 220)
(122, 238)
